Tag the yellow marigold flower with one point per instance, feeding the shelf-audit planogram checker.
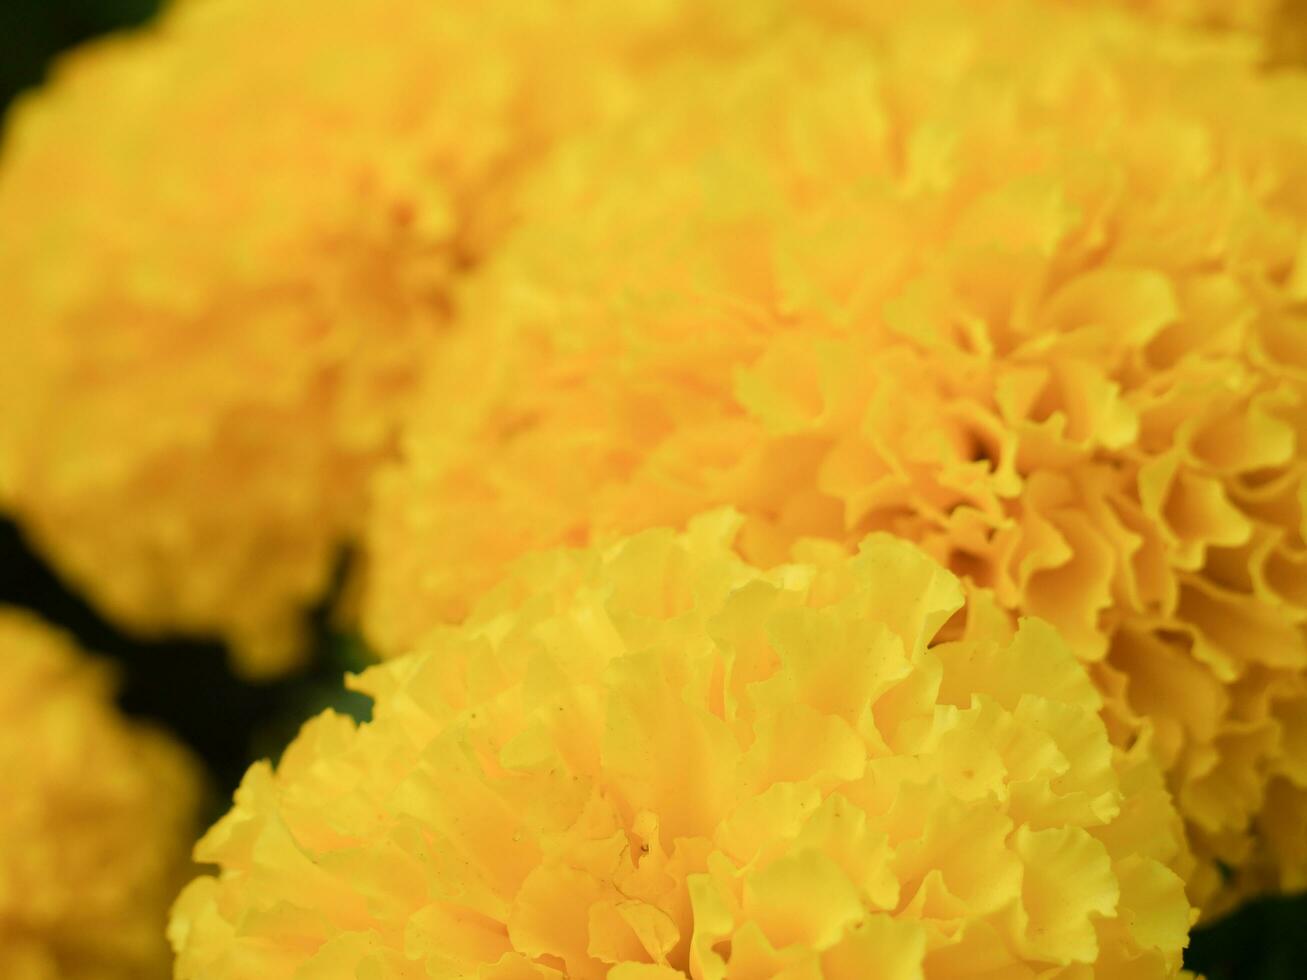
(1025, 287)
(653, 760)
(1286, 43)
(225, 241)
(1277, 28)
(97, 820)
(1251, 15)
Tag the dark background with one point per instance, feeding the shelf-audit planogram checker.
(186, 686)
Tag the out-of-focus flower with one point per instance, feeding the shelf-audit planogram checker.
(653, 760)
(1249, 15)
(1024, 286)
(224, 243)
(1286, 44)
(1275, 30)
(97, 820)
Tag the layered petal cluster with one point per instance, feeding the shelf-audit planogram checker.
(1025, 286)
(97, 821)
(225, 242)
(653, 760)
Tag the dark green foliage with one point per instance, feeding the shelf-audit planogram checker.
(1264, 941)
(34, 31)
(184, 684)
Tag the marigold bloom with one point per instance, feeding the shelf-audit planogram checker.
(653, 760)
(224, 242)
(1277, 29)
(1250, 15)
(1035, 306)
(96, 824)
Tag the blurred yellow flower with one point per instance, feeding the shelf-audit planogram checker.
(653, 760)
(1275, 31)
(1250, 15)
(96, 824)
(1024, 286)
(225, 241)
